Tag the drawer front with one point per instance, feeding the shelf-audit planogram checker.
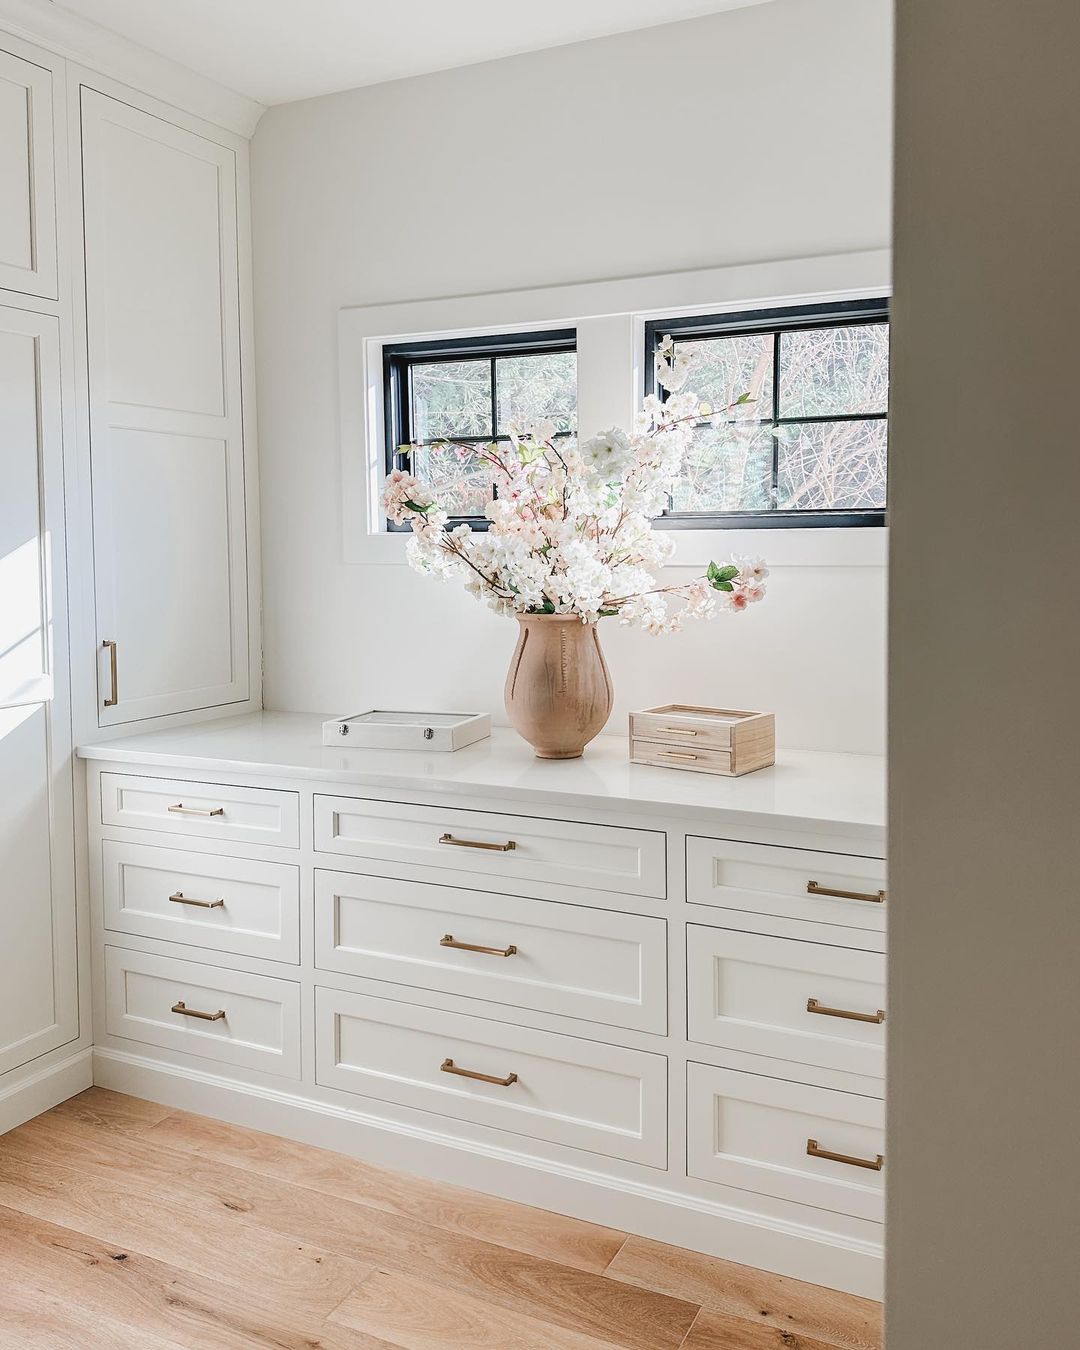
(682, 728)
(755, 1133)
(493, 845)
(787, 882)
(602, 1098)
(698, 758)
(786, 999)
(202, 899)
(205, 810)
(260, 1028)
(579, 962)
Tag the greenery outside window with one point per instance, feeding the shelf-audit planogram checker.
(810, 448)
(471, 390)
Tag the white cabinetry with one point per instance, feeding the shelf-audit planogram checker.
(27, 191)
(38, 991)
(505, 976)
(166, 418)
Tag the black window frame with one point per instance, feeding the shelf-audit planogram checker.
(400, 357)
(788, 318)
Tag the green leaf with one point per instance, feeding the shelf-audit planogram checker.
(415, 506)
(723, 586)
(406, 450)
(746, 397)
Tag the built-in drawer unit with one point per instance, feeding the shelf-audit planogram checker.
(800, 1001)
(587, 963)
(791, 883)
(494, 845)
(585, 1094)
(202, 899)
(811, 1145)
(245, 815)
(249, 1020)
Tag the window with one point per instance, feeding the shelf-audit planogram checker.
(470, 390)
(810, 447)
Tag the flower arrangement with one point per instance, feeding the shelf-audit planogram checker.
(570, 530)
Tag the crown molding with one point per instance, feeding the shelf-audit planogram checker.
(77, 39)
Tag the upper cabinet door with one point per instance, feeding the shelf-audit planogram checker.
(27, 193)
(166, 440)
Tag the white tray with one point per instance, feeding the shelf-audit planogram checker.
(380, 729)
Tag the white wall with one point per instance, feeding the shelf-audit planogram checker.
(984, 933)
(752, 135)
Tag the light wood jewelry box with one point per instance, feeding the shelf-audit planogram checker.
(706, 740)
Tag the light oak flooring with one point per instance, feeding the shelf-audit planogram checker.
(125, 1224)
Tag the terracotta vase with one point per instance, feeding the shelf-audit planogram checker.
(558, 691)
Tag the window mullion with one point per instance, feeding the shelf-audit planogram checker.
(774, 489)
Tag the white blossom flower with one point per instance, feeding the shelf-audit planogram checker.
(610, 453)
(570, 524)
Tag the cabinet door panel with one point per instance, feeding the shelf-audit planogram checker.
(161, 502)
(166, 437)
(38, 989)
(27, 199)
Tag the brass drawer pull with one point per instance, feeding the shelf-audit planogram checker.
(813, 1006)
(185, 1011)
(179, 898)
(478, 843)
(448, 940)
(874, 897)
(114, 693)
(677, 754)
(677, 731)
(873, 1164)
(179, 809)
(448, 1066)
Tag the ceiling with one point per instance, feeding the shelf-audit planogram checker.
(276, 51)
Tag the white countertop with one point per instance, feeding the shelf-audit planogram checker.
(804, 790)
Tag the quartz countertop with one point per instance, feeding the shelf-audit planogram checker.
(805, 790)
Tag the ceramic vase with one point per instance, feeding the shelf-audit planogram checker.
(558, 691)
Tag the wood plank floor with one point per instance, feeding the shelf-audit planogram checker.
(126, 1224)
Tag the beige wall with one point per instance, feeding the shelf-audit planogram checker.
(984, 1077)
(757, 134)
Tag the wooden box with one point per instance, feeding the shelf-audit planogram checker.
(706, 740)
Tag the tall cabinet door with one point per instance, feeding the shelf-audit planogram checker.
(27, 203)
(166, 442)
(38, 982)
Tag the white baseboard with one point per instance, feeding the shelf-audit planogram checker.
(801, 1252)
(45, 1088)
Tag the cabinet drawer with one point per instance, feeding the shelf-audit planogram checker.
(493, 845)
(207, 810)
(224, 904)
(754, 1132)
(557, 958)
(602, 1098)
(260, 1028)
(754, 993)
(791, 883)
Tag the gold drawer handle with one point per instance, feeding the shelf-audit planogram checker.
(813, 1006)
(448, 1066)
(478, 843)
(677, 731)
(677, 754)
(448, 940)
(873, 1164)
(185, 1011)
(179, 898)
(179, 809)
(874, 897)
(114, 693)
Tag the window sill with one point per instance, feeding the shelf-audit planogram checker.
(695, 549)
